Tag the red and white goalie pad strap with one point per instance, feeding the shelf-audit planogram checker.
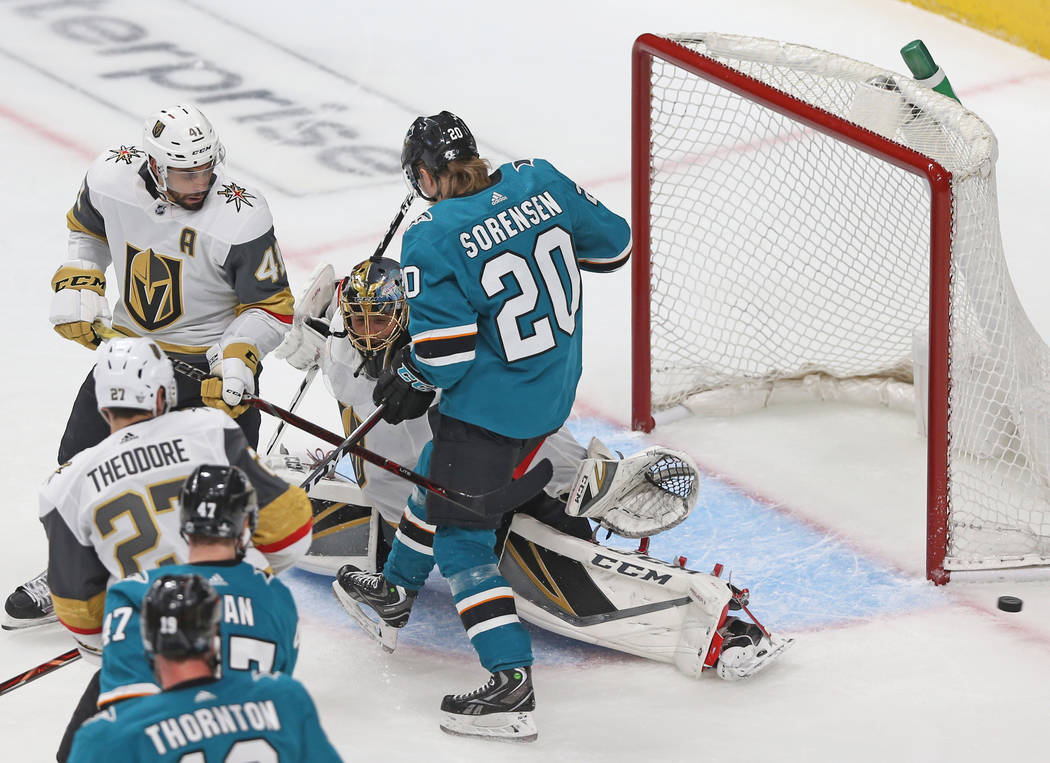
(637, 496)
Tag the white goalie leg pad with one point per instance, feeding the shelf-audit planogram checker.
(622, 600)
(640, 495)
(345, 525)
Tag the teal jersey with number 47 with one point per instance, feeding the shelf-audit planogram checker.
(496, 296)
(261, 717)
(259, 627)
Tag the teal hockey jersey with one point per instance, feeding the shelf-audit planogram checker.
(259, 626)
(496, 296)
(243, 716)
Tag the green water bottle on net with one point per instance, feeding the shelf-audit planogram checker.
(925, 70)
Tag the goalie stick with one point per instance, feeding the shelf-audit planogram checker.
(313, 302)
(305, 385)
(321, 468)
(394, 224)
(40, 670)
(500, 500)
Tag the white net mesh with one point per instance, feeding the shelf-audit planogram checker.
(779, 251)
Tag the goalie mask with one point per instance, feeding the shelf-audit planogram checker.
(215, 501)
(130, 372)
(185, 151)
(434, 142)
(180, 617)
(374, 306)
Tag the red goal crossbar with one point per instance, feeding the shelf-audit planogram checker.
(649, 46)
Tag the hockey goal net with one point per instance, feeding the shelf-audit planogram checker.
(799, 214)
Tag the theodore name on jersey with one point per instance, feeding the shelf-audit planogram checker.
(139, 460)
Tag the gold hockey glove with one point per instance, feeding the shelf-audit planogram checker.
(233, 376)
(79, 301)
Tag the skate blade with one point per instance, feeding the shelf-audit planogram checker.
(13, 624)
(778, 645)
(498, 727)
(380, 631)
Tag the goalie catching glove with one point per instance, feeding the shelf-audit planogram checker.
(233, 368)
(79, 301)
(637, 496)
(402, 389)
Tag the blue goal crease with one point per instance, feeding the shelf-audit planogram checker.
(799, 578)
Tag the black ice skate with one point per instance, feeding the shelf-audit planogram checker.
(391, 603)
(747, 649)
(30, 605)
(500, 710)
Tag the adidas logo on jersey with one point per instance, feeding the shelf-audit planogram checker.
(217, 579)
(128, 437)
(202, 696)
(498, 198)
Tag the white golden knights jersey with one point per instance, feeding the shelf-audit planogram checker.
(401, 443)
(112, 511)
(183, 276)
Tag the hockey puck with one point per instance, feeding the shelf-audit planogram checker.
(1010, 604)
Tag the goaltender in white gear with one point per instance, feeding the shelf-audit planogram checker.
(619, 599)
(350, 378)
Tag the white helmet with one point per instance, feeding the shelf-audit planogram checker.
(180, 136)
(129, 372)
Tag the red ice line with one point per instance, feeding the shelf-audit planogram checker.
(306, 257)
(41, 131)
(957, 598)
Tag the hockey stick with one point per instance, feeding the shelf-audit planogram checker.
(351, 439)
(500, 500)
(305, 385)
(394, 224)
(40, 670)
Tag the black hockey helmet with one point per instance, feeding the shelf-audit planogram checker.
(180, 617)
(434, 142)
(374, 305)
(215, 500)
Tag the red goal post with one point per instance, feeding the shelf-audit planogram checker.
(776, 235)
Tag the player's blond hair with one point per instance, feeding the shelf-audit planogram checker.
(463, 177)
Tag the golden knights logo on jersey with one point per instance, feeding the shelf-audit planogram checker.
(236, 195)
(126, 154)
(152, 288)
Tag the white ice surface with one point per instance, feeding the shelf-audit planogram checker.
(954, 679)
